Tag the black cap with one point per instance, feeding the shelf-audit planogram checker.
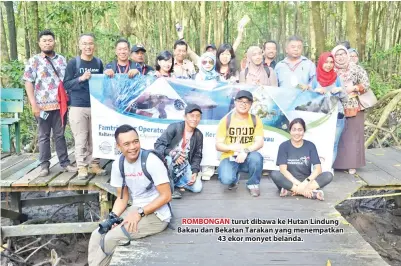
(244, 94)
(192, 107)
(210, 46)
(138, 47)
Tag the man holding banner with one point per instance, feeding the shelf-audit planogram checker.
(182, 144)
(239, 137)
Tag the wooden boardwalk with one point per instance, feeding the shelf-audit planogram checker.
(174, 248)
(19, 174)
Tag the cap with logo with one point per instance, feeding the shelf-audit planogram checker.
(211, 45)
(138, 47)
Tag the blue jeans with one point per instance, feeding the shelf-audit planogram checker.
(253, 164)
(339, 129)
(185, 178)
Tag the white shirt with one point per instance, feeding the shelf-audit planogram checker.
(137, 182)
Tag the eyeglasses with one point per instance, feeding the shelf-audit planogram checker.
(244, 102)
(204, 62)
(342, 54)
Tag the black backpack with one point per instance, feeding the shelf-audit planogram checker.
(78, 64)
(144, 158)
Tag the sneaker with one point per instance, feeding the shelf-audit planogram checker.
(318, 194)
(96, 169)
(82, 173)
(44, 171)
(284, 192)
(70, 168)
(254, 190)
(233, 186)
(176, 195)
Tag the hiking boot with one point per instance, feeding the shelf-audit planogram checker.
(233, 186)
(254, 190)
(70, 168)
(176, 195)
(82, 173)
(96, 169)
(44, 171)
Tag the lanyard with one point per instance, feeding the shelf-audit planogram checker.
(140, 68)
(295, 66)
(126, 68)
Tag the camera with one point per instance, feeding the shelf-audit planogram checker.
(106, 225)
(179, 169)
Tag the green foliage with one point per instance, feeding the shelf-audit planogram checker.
(11, 74)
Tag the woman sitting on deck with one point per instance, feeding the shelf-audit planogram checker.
(295, 158)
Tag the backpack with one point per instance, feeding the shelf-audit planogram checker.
(78, 64)
(144, 158)
(228, 120)
(267, 69)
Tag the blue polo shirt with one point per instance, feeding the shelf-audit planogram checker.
(289, 75)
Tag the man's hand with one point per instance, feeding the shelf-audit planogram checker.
(158, 74)
(132, 73)
(109, 73)
(193, 179)
(85, 76)
(132, 221)
(303, 87)
(35, 110)
(241, 157)
(180, 159)
(321, 90)
(336, 90)
(181, 33)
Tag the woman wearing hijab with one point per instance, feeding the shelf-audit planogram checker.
(255, 73)
(207, 67)
(355, 81)
(327, 82)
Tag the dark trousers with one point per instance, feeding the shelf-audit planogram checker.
(282, 182)
(53, 122)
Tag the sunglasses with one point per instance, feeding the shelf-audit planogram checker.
(204, 62)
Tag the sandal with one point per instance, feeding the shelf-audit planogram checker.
(318, 194)
(284, 192)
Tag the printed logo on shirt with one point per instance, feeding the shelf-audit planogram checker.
(303, 160)
(132, 175)
(241, 135)
(92, 70)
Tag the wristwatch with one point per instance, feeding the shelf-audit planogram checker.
(141, 212)
(307, 179)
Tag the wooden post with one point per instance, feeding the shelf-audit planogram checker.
(81, 208)
(104, 204)
(15, 204)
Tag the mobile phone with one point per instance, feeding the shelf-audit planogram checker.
(178, 27)
(43, 114)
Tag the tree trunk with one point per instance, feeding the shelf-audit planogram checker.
(318, 28)
(216, 22)
(89, 19)
(209, 32)
(297, 18)
(202, 26)
(350, 23)
(282, 25)
(35, 11)
(364, 29)
(26, 31)
(373, 32)
(312, 49)
(12, 33)
(340, 28)
(269, 33)
(5, 57)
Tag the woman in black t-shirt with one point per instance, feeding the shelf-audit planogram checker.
(295, 158)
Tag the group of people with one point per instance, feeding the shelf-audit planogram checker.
(239, 134)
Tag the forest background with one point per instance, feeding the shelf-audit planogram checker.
(373, 28)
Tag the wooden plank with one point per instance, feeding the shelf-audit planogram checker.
(54, 173)
(16, 167)
(103, 179)
(13, 160)
(13, 215)
(24, 181)
(12, 107)
(5, 155)
(60, 200)
(48, 229)
(64, 177)
(78, 182)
